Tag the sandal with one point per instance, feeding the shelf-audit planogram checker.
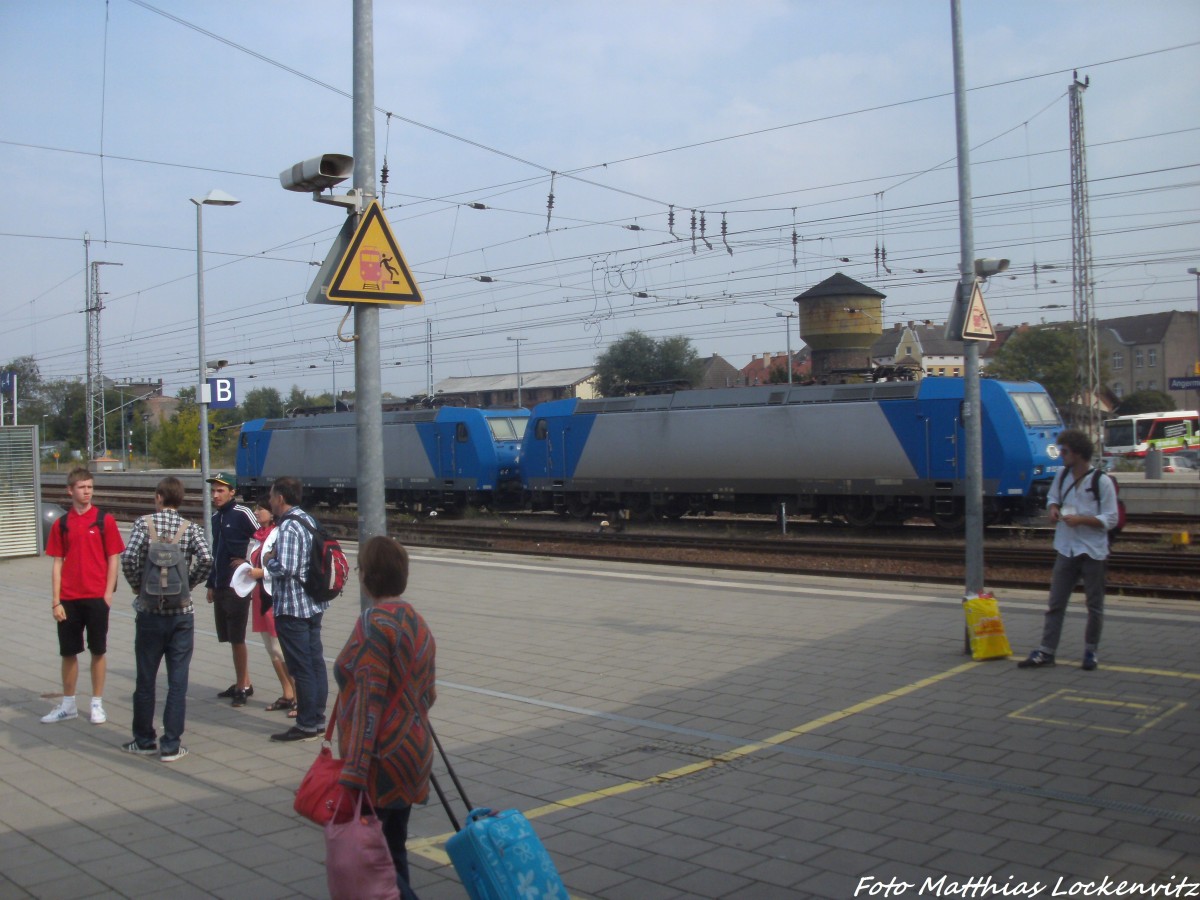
(293, 712)
(282, 703)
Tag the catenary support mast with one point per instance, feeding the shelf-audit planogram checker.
(1087, 358)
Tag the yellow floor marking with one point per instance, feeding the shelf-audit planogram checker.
(430, 847)
(1145, 715)
(1160, 673)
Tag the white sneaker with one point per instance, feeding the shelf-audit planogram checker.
(60, 713)
(98, 716)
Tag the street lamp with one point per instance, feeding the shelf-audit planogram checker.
(518, 342)
(212, 198)
(788, 326)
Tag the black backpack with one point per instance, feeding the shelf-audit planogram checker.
(327, 564)
(165, 585)
(62, 526)
(1116, 530)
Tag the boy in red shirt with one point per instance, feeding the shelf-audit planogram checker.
(87, 559)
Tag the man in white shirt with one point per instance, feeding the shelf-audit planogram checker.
(1082, 504)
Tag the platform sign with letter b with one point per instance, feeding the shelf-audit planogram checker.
(220, 392)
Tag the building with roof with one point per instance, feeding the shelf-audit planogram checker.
(501, 390)
(759, 369)
(1143, 353)
(840, 319)
(919, 345)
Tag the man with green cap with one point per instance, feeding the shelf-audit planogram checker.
(232, 527)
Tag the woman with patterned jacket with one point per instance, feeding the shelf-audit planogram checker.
(385, 675)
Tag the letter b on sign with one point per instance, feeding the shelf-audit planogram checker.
(222, 393)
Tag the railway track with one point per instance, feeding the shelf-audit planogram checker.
(1015, 558)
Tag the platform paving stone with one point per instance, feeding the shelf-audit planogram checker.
(673, 733)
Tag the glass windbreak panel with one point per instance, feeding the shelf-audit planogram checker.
(506, 429)
(1037, 410)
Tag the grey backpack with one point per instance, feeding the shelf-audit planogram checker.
(165, 581)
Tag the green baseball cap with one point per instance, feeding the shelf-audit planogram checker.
(226, 478)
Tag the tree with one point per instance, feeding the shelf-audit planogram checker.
(1144, 402)
(262, 403)
(1044, 355)
(297, 398)
(638, 359)
(176, 444)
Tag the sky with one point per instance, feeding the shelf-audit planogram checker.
(808, 137)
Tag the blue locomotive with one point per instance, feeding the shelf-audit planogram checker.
(862, 453)
(434, 459)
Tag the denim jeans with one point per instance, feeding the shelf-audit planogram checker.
(305, 658)
(156, 638)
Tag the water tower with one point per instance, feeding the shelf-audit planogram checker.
(840, 320)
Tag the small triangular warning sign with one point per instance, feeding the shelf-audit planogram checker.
(978, 326)
(373, 269)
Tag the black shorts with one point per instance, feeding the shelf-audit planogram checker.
(90, 616)
(232, 614)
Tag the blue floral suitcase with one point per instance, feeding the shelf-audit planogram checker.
(499, 856)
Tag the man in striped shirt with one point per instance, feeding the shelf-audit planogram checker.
(297, 615)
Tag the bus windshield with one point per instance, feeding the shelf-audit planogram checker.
(1037, 410)
(1118, 433)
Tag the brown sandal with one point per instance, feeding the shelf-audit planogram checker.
(282, 703)
(293, 712)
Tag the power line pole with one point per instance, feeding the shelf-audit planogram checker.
(1087, 353)
(972, 410)
(96, 428)
(368, 390)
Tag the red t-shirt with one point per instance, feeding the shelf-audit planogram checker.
(85, 561)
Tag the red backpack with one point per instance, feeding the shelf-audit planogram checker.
(328, 567)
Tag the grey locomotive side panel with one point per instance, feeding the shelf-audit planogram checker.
(404, 455)
(317, 456)
(329, 455)
(803, 443)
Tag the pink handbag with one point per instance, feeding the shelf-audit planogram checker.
(358, 864)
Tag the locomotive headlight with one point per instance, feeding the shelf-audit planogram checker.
(1052, 451)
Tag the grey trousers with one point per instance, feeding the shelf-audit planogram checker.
(1067, 572)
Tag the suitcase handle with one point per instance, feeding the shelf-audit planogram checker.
(453, 777)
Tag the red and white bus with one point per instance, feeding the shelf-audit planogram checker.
(1167, 431)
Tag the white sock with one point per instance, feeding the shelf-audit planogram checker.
(97, 701)
(69, 703)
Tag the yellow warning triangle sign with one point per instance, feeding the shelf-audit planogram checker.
(978, 326)
(373, 269)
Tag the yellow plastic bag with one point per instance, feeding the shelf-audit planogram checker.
(985, 628)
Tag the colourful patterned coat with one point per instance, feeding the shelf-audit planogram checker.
(384, 672)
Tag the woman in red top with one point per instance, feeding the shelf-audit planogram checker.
(385, 674)
(262, 615)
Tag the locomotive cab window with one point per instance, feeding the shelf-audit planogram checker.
(244, 440)
(540, 430)
(1037, 410)
(460, 433)
(506, 429)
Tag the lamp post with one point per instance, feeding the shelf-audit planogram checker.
(518, 342)
(212, 198)
(788, 326)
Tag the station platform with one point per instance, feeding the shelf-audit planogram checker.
(671, 734)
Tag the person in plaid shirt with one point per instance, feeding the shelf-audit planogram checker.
(163, 634)
(297, 615)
